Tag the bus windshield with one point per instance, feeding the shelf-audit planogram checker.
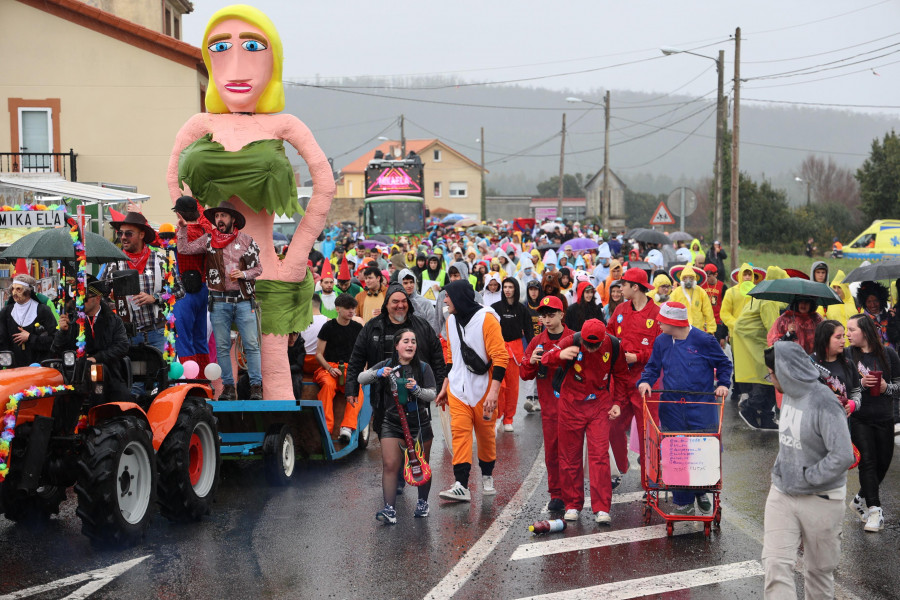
(387, 217)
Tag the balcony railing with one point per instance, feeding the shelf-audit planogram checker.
(40, 162)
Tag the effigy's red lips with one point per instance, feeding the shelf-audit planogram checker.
(240, 88)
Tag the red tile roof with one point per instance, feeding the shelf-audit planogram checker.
(358, 165)
(123, 30)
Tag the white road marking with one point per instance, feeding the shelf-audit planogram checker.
(93, 581)
(471, 560)
(597, 540)
(659, 584)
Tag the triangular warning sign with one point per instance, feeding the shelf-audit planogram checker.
(662, 216)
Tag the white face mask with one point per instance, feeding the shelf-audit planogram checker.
(528, 270)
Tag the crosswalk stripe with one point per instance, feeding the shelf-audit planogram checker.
(659, 584)
(597, 540)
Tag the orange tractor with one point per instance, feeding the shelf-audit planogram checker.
(120, 454)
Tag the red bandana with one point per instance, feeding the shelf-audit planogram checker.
(138, 261)
(219, 240)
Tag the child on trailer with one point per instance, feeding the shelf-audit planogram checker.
(415, 389)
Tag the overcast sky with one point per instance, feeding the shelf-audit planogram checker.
(576, 44)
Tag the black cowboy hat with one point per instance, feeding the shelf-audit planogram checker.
(228, 207)
(185, 204)
(138, 220)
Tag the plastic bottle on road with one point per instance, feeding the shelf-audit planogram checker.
(551, 526)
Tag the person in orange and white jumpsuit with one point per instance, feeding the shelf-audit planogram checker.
(515, 324)
(593, 385)
(477, 357)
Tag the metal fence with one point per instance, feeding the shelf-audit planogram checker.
(40, 162)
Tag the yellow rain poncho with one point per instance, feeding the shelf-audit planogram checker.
(734, 300)
(841, 312)
(700, 312)
(749, 334)
(536, 259)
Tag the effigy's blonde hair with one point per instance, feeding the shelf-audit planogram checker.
(272, 98)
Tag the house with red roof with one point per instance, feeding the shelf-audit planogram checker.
(452, 180)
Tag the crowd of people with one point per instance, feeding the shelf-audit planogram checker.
(588, 323)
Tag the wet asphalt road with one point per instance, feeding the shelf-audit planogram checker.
(318, 538)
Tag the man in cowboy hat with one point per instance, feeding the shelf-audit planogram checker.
(232, 265)
(143, 310)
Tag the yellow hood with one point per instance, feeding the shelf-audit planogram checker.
(845, 287)
(774, 272)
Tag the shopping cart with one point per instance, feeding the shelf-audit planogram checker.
(682, 460)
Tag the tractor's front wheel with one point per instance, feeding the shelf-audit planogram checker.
(24, 507)
(117, 481)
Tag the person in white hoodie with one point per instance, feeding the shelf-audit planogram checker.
(526, 273)
(457, 270)
(492, 293)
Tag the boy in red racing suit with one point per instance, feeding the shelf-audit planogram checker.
(634, 323)
(551, 313)
(586, 407)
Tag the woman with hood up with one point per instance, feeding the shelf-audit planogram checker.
(456, 271)
(433, 277)
(841, 312)
(492, 292)
(515, 324)
(479, 271)
(536, 260)
(584, 308)
(526, 274)
(420, 266)
(872, 297)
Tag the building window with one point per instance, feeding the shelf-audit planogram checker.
(459, 189)
(34, 129)
(177, 28)
(437, 189)
(350, 189)
(168, 21)
(437, 156)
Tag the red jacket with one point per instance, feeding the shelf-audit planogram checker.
(528, 371)
(716, 293)
(637, 331)
(590, 373)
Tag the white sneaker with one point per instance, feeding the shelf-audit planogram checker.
(508, 428)
(858, 505)
(528, 406)
(602, 517)
(875, 522)
(571, 515)
(487, 485)
(346, 434)
(457, 493)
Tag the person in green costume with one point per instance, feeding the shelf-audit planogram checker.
(236, 149)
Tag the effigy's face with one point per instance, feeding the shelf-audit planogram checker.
(241, 62)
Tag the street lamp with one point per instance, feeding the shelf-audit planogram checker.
(720, 135)
(605, 201)
(806, 181)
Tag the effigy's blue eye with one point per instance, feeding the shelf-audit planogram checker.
(219, 46)
(253, 46)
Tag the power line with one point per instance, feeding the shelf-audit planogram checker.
(829, 66)
(683, 140)
(374, 137)
(821, 103)
(822, 20)
(702, 73)
(778, 60)
(763, 87)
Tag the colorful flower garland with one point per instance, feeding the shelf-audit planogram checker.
(168, 296)
(80, 278)
(9, 419)
(32, 207)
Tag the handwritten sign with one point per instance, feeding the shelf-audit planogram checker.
(690, 460)
(32, 218)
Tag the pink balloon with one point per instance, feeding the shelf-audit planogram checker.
(191, 369)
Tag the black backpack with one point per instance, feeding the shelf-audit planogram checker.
(560, 375)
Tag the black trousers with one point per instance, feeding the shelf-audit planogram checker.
(875, 442)
(762, 397)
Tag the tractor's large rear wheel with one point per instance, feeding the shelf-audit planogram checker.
(189, 463)
(117, 481)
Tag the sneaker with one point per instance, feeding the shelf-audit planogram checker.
(528, 405)
(742, 400)
(346, 434)
(750, 417)
(508, 427)
(256, 392)
(602, 517)
(703, 503)
(616, 481)
(421, 509)
(556, 505)
(875, 522)
(228, 393)
(767, 421)
(487, 485)
(684, 511)
(457, 493)
(536, 405)
(571, 515)
(387, 515)
(858, 505)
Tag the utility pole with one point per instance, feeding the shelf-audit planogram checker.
(720, 139)
(402, 137)
(606, 201)
(562, 157)
(735, 150)
(483, 187)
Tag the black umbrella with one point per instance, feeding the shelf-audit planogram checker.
(651, 236)
(880, 271)
(56, 244)
(787, 290)
(546, 247)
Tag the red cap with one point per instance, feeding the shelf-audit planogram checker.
(344, 271)
(550, 302)
(593, 331)
(327, 271)
(638, 276)
(711, 268)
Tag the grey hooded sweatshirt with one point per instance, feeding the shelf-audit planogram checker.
(440, 309)
(817, 265)
(422, 305)
(814, 449)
